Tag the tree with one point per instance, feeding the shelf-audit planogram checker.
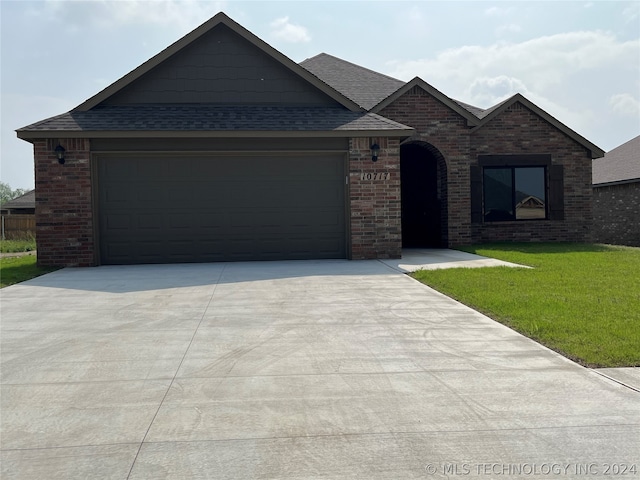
(7, 194)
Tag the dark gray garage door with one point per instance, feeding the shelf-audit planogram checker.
(161, 209)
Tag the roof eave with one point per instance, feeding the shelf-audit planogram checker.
(32, 135)
(596, 152)
(218, 19)
(616, 182)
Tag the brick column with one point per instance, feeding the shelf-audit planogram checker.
(64, 211)
(374, 190)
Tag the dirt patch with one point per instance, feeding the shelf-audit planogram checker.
(18, 254)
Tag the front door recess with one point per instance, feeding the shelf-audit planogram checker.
(421, 209)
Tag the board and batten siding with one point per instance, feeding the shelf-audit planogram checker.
(220, 67)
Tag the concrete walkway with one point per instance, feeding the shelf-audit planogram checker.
(288, 370)
(440, 258)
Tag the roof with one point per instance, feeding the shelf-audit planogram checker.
(365, 87)
(27, 200)
(620, 165)
(212, 120)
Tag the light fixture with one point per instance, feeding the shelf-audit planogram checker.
(375, 151)
(60, 154)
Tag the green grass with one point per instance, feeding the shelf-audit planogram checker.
(18, 269)
(15, 246)
(580, 300)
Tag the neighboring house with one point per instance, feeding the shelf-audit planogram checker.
(222, 148)
(616, 195)
(25, 204)
(18, 216)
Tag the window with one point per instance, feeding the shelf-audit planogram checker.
(514, 193)
(516, 187)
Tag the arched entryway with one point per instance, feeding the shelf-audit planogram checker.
(423, 175)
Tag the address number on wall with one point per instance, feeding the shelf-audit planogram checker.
(375, 176)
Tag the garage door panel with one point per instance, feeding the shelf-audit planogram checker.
(118, 221)
(186, 209)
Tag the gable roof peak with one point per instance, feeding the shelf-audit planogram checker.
(497, 109)
(434, 92)
(219, 19)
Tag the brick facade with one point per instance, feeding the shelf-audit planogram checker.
(518, 130)
(446, 131)
(65, 211)
(375, 202)
(615, 212)
(64, 207)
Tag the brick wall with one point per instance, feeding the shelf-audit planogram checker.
(519, 131)
(375, 203)
(615, 214)
(447, 132)
(64, 217)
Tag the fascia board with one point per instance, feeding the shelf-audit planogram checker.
(31, 135)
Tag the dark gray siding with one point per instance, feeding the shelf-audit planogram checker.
(220, 67)
(188, 208)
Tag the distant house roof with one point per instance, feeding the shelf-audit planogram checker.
(25, 201)
(211, 120)
(620, 165)
(361, 85)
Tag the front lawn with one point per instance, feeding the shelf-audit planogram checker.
(18, 269)
(580, 300)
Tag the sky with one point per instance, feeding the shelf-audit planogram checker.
(577, 60)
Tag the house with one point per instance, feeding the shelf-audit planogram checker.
(18, 216)
(221, 148)
(616, 195)
(25, 204)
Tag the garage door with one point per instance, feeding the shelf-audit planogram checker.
(209, 208)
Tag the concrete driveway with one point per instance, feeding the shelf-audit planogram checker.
(328, 369)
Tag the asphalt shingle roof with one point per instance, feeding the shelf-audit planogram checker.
(365, 87)
(622, 164)
(214, 117)
(27, 200)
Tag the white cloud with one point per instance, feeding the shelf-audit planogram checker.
(569, 75)
(544, 62)
(509, 28)
(183, 14)
(625, 104)
(631, 12)
(492, 90)
(284, 30)
(497, 11)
